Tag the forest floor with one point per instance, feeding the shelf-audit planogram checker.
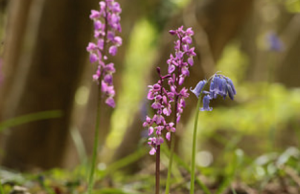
(59, 181)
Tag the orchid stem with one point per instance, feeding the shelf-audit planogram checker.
(96, 140)
(157, 169)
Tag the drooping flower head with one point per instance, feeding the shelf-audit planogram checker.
(178, 66)
(218, 85)
(106, 25)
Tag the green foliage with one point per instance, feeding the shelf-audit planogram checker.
(122, 163)
(292, 6)
(233, 62)
(277, 106)
(1, 189)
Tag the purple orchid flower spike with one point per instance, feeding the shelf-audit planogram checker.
(161, 104)
(179, 64)
(106, 25)
(178, 70)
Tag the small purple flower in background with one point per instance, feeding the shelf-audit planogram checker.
(219, 85)
(179, 67)
(106, 24)
(274, 43)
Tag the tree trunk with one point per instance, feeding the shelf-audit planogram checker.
(46, 77)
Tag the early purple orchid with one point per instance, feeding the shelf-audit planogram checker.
(178, 70)
(106, 24)
(179, 67)
(162, 99)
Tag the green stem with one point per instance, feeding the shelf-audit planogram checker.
(204, 188)
(97, 127)
(170, 164)
(96, 140)
(194, 147)
(1, 189)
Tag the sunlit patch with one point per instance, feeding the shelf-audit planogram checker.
(81, 95)
(204, 158)
(101, 166)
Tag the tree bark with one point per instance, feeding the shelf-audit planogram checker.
(46, 77)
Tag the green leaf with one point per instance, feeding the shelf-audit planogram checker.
(30, 118)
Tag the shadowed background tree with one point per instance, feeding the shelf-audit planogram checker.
(44, 56)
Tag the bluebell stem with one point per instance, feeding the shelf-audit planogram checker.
(218, 85)
(106, 25)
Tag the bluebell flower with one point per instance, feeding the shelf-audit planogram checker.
(230, 92)
(206, 100)
(229, 81)
(223, 88)
(274, 42)
(213, 83)
(197, 90)
(219, 85)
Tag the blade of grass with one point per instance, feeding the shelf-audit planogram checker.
(233, 191)
(231, 175)
(77, 139)
(96, 140)
(125, 161)
(30, 118)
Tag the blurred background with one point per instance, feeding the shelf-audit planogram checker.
(48, 98)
